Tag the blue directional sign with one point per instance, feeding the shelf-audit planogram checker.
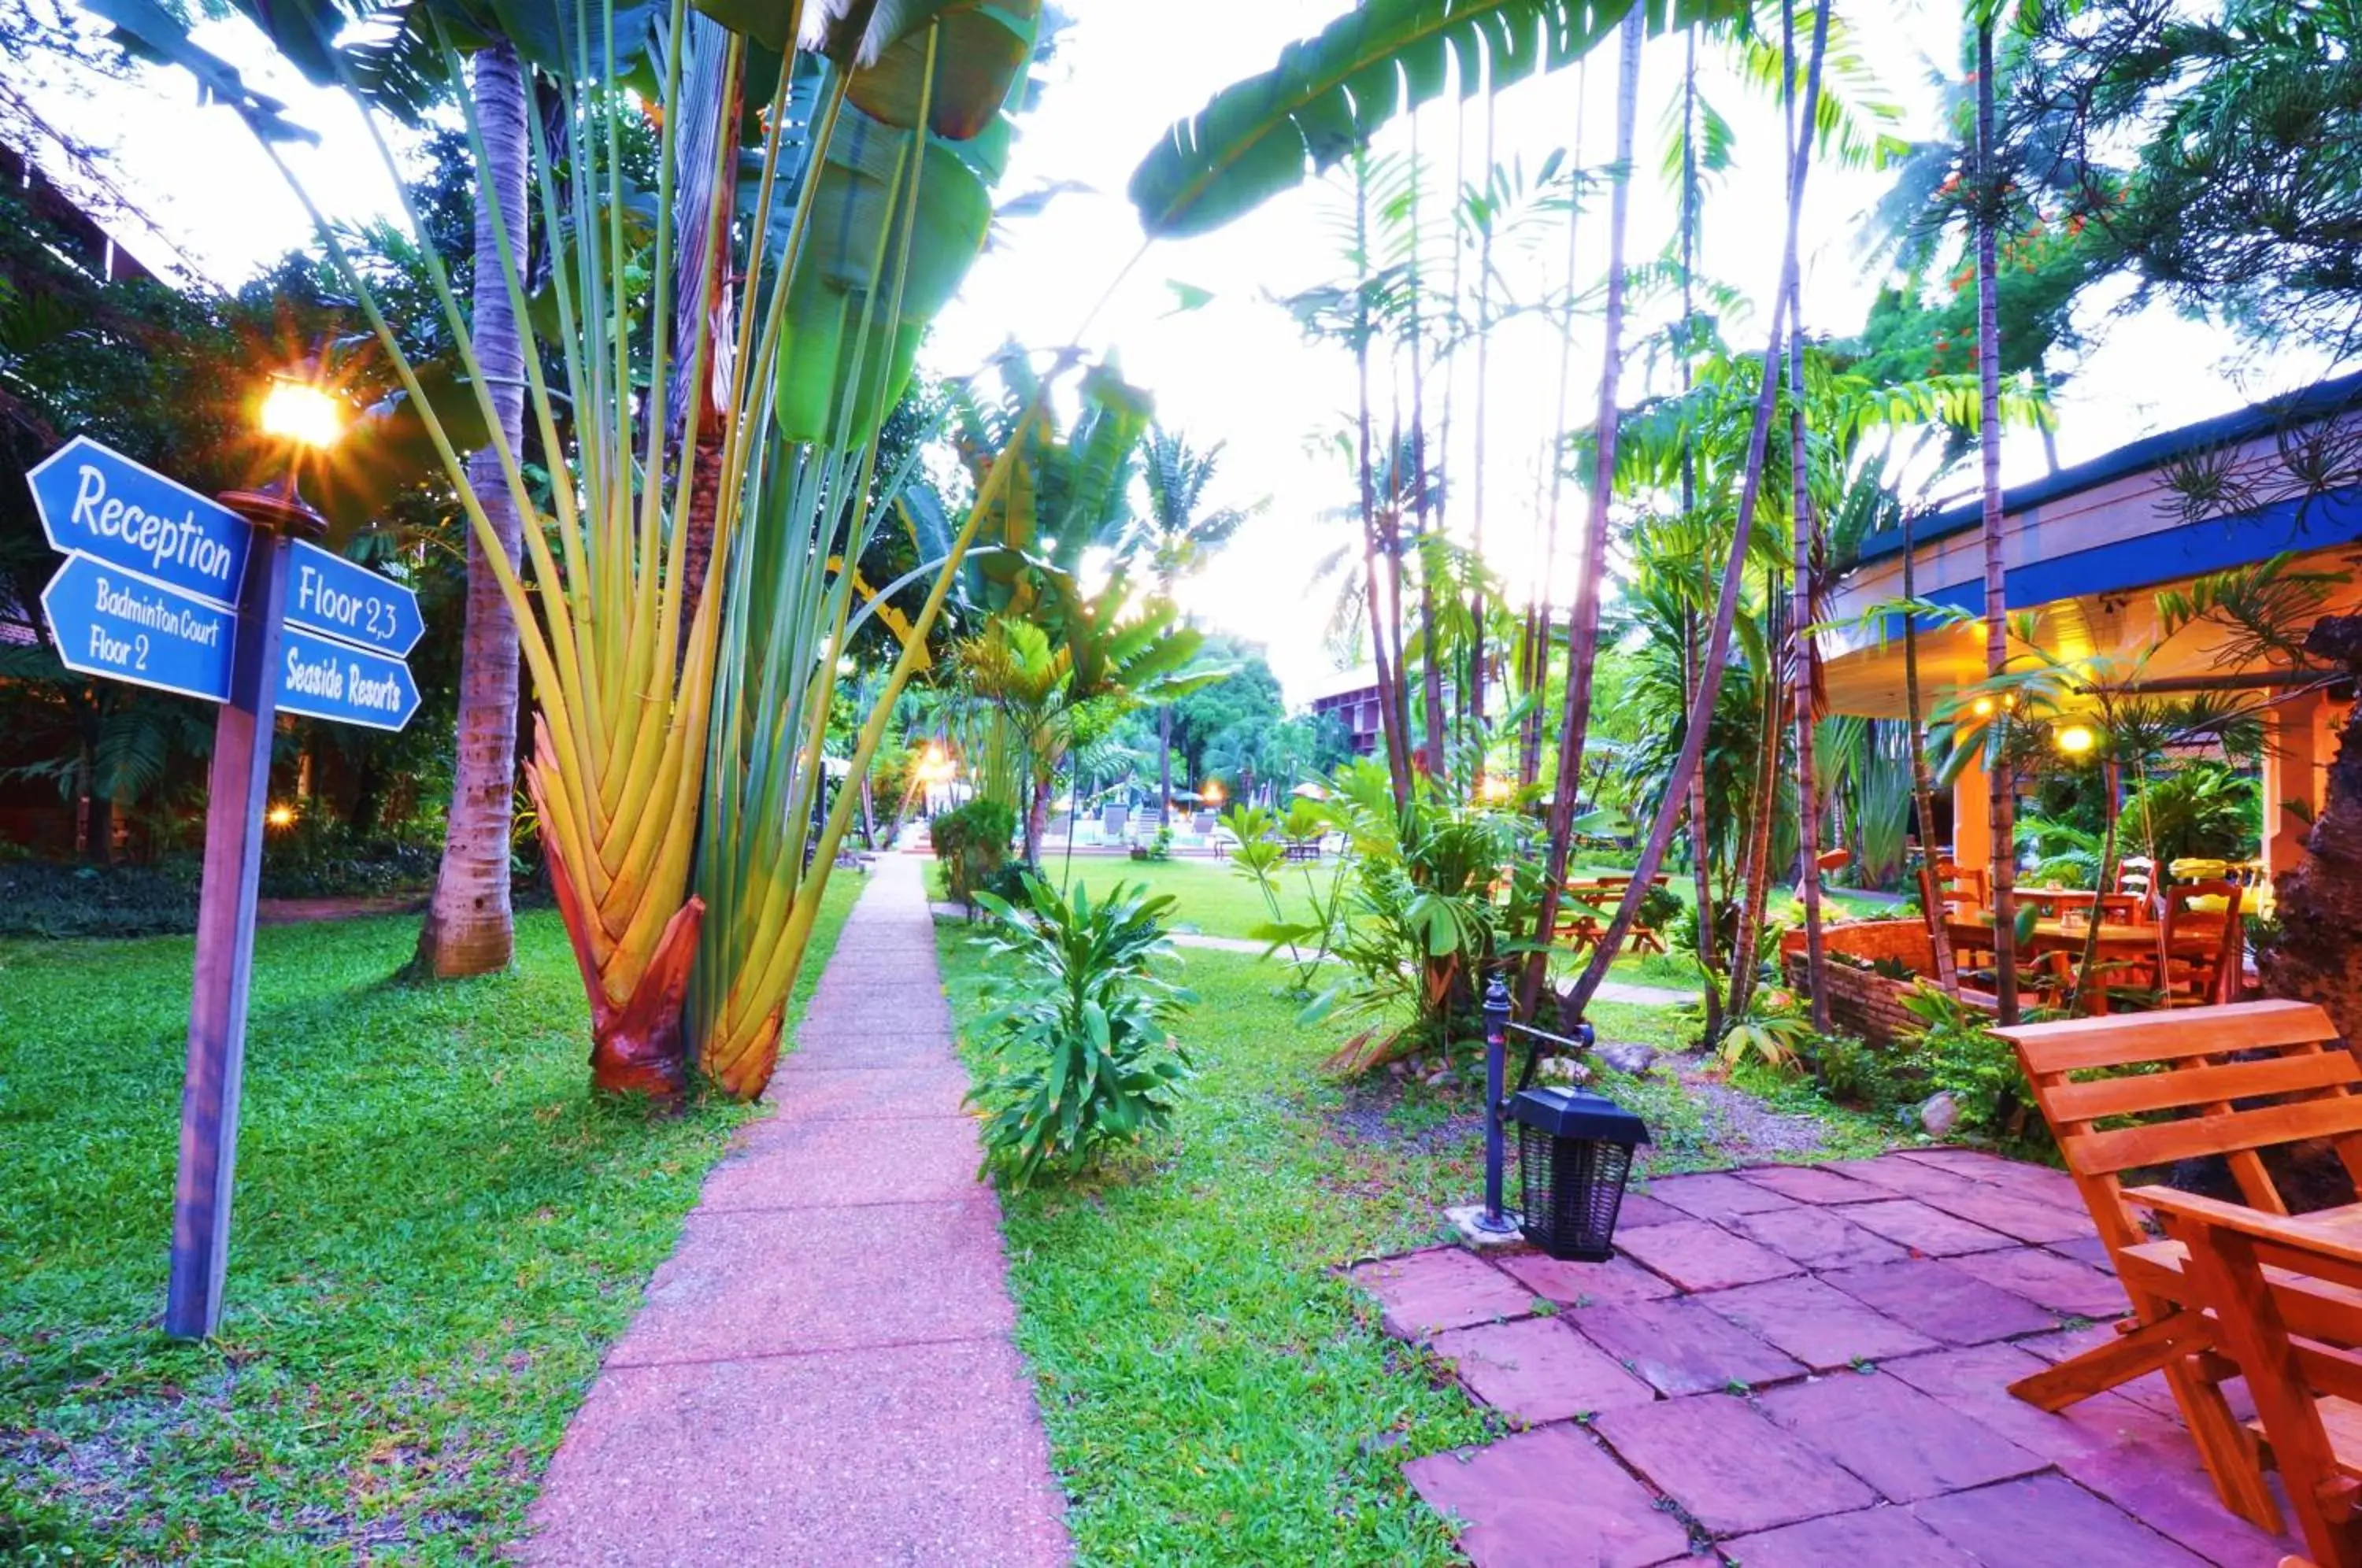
(324, 679)
(99, 503)
(328, 594)
(108, 622)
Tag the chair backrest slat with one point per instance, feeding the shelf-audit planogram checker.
(2226, 1132)
(2121, 1040)
(2203, 1086)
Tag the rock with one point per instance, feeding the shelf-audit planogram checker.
(1940, 1114)
(1565, 1069)
(1631, 1059)
(1396, 1068)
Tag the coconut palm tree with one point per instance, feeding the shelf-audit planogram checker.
(1176, 537)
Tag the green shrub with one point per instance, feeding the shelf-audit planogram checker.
(1850, 1071)
(1080, 1053)
(1660, 907)
(971, 842)
(49, 899)
(1956, 1050)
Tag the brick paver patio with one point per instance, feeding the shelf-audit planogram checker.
(1795, 1367)
(823, 1371)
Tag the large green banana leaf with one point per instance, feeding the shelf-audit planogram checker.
(1329, 93)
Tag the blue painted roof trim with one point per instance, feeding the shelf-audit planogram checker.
(2322, 399)
(2186, 550)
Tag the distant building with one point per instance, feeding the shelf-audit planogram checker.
(2089, 547)
(1351, 697)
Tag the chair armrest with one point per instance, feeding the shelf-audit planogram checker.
(2288, 1231)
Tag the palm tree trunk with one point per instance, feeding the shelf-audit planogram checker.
(1390, 713)
(1734, 575)
(1755, 877)
(1474, 689)
(1164, 758)
(1430, 665)
(1800, 614)
(469, 927)
(1923, 789)
(1583, 617)
(2002, 803)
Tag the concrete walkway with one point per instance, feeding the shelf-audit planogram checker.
(823, 1372)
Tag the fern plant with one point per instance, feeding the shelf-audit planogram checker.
(1082, 1056)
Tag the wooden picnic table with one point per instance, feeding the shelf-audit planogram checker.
(2118, 942)
(1594, 900)
(2053, 902)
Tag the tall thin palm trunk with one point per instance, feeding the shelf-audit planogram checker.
(1800, 614)
(1474, 689)
(1734, 574)
(2001, 801)
(1755, 874)
(1923, 788)
(1709, 923)
(1430, 666)
(1583, 617)
(711, 93)
(1389, 706)
(471, 928)
(1538, 639)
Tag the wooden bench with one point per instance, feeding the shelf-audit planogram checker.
(2141, 1091)
(2261, 1277)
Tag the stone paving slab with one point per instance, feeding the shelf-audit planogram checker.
(1818, 1238)
(1682, 1347)
(1586, 1284)
(1442, 1288)
(1975, 1381)
(1942, 1302)
(851, 1457)
(1817, 1324)
(1716, 1196)
(1925, 1229)
(1874, 1538)
(1639, 1211)
(1538, 1370)
(1529, 1500)
(2021, 1217)
(1897, 1439)
(1697, 1255)
(1922, 1459)
(2061, 1284)
(1727, 1466)
(822, 1374)
(2048, 1521)
(1813, 1184)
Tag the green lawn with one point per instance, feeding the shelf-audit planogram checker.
(436, 1235)
(1211, 897)
(1214, 1391)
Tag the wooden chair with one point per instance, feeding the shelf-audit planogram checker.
(2165, 1091)
(2260, 1275)
(2186, 981)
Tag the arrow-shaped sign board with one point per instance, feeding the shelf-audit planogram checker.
(324, 679)
(352, 604)
(97, 503)
(107, 622)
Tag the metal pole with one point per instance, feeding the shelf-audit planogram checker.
(1496, 1038)
(238, 794)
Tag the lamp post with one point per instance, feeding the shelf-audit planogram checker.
(300, 417)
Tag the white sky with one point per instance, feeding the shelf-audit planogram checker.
(1236, 371)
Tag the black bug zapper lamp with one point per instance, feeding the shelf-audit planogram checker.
(1574, 1153)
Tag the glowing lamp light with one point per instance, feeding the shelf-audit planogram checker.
(1496, 789)
(1982, 707)
(301, 413)
(281, 816)
(2075, 740)
(1213, 790)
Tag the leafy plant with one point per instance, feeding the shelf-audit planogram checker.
(1080, 1053)
(2204, 810)
(1774, 1030)
(1958, 1053)
(971, 842)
